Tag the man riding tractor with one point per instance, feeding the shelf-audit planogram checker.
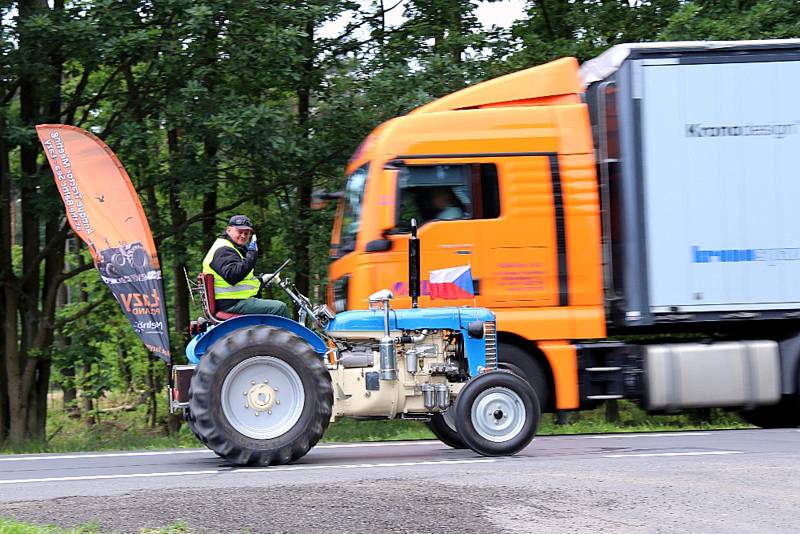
(231, 260)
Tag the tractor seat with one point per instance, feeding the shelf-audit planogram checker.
(206, 281)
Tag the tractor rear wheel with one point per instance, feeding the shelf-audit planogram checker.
(261, 396)
(497, 413)
(443, 427)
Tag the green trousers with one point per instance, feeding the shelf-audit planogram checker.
(255, 305)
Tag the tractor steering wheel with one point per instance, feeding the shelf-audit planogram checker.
(266, 279)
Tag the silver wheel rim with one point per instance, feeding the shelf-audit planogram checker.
(498, 414)
(262, 397)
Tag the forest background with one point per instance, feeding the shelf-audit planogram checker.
(218, 107)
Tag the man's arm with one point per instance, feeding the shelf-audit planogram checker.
(230, 266)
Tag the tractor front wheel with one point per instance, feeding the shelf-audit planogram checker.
(497, 413)
(261, 396)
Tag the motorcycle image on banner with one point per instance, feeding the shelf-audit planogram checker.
(103, 209)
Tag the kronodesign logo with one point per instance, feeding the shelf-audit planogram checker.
(769, 255)
(774, 130)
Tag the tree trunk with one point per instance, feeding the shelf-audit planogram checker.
(152, 388)
(28, 343)
(87, 406)
(305, 182)
(124, 367)
(69, 390)
(178, 215)
(210, 199)
(210, 56)
(67, 371)
(7, 309)
(546, 17)
(19, 366)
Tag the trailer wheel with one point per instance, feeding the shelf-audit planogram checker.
(522, 363)
(443, 427)
(785, 414)
(497, 413)
(261, 396)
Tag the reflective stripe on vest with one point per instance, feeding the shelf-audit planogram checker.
(245, 289)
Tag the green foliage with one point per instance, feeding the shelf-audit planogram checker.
(726, 20)
(10, 526)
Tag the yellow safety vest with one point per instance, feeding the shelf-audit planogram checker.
(245, 289)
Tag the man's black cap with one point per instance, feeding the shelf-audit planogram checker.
(241, 222)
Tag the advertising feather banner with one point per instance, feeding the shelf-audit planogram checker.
(103, 209)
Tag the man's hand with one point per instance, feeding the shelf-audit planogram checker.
(253, 243)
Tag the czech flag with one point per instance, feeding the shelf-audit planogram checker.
(452, 283)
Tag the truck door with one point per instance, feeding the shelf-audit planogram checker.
(526, 248)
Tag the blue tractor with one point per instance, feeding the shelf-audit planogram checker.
(261, 389)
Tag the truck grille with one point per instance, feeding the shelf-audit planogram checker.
(490, 335)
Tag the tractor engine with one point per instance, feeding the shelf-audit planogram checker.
(409, 373)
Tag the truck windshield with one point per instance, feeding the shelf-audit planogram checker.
(353, 195)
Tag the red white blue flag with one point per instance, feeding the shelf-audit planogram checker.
(452, 283)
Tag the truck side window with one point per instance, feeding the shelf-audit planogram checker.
(447, 192)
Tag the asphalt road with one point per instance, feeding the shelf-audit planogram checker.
(717, 481)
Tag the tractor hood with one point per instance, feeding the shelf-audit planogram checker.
(408, 319)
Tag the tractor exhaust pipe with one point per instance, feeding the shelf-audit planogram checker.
(413, 265)
(386, 348)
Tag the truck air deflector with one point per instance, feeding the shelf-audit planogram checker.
(558, 206)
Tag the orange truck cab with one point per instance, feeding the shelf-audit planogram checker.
(525, 179)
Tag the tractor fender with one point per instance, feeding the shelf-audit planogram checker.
(202, 342)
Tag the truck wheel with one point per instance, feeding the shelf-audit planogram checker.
(497, 413)
(522, 363)
(785, 414)
(261, 396)
(443, 427)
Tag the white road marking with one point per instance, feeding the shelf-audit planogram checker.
(359, 466)
(105, 477)
(103, 455)
(706, 453)
(204, 451)
(664, 435)
(378, 444)
(243, 470)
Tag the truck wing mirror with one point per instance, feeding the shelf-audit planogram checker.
(320, 199)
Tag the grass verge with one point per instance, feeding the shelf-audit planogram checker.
(9, 526)
(127, 430)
